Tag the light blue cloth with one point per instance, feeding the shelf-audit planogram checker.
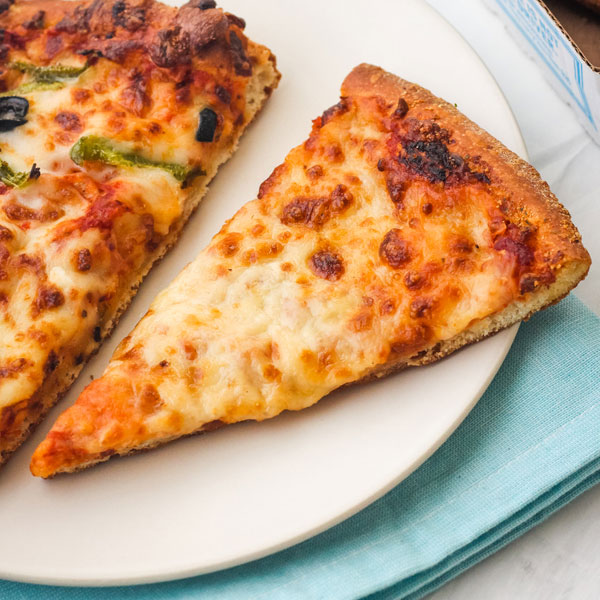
(530, 446)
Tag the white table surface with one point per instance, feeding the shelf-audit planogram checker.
(561, 557)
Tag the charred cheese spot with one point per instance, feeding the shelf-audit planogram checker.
(48, 297)
(327, 264)
(461, 245)
(135, 97)
(18, 212)
(315, 212)
(13, 368)
(414, 280)
(5, 233)
(230, 244)
(69, 121)
(396, 187)
(421, 307)
(314, 172)
(333, 153)
(388, 307)
(269, 249)
(394, 250)
(84, 260)
(424, 152)
(81, 95)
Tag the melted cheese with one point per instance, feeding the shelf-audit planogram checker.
(74, 241)
(369, 245)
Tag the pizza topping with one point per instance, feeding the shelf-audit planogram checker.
(5, 5)
(12, 178)
(101, 214)
(402, 109)
(34, 172)
(203, 26)
(207, 125)
(13, 110)
(514, 241)
(49, 74)
(327, 264)
(203, 4)
(171, 47)
(127, 16)
(37, 21)
(96, 148)
(394, 250)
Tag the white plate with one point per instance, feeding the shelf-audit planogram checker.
(219, 500)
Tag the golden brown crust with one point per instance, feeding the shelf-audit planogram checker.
(34, 19)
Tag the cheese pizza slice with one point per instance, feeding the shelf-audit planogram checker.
(396, 234)
(114, 116)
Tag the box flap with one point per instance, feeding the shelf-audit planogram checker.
(582, 26)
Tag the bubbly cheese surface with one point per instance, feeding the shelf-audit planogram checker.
(382, 236)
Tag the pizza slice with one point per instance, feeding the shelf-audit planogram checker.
(114, 116)
(396, 234)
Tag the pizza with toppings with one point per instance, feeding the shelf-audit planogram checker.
(397, 233)
(114, 116)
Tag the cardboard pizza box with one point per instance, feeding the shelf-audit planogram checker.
(563, 37)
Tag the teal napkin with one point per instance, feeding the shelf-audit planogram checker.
(531, 445)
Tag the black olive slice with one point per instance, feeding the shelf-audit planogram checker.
(12, 112)
(206, 125)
